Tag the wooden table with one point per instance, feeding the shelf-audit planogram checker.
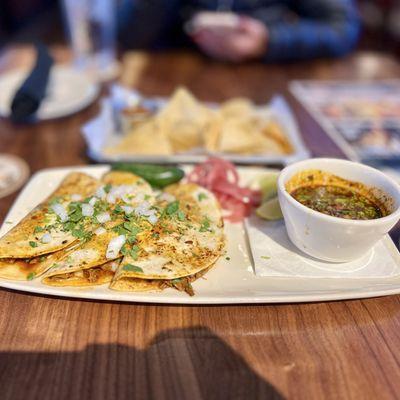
(68, 349)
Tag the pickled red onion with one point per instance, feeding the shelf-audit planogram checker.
(221, 177)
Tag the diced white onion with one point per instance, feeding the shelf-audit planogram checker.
(46, 238)
(111, 198)
(153, 219)
(76, 197)
(87, 210)
(128, 209)
(143, 209)
(114, 266)
(103, 217)
(100, 231)
(127, 198)
(125, 192)
(100, 193)
(139, 197)
(60, 210)
(93, 201)
(167, 197)
(115, 246)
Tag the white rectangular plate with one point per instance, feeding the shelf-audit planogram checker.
(229, 282)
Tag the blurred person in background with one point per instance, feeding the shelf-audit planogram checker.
(242, 30)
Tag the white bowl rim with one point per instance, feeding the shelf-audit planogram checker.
(329, 218)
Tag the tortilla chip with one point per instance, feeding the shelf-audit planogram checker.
(183, 120)
(274, 131)
(212, 134)
(237, 107)
(143, 139)
(240, 135)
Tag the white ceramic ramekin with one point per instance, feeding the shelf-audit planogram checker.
(330, 238)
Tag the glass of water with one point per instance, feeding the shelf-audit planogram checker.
(91, 28)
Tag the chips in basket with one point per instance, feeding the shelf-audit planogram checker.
(184, 124)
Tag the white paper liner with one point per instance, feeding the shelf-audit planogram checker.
(274, 255)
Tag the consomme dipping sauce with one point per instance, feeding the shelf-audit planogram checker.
(337, 197)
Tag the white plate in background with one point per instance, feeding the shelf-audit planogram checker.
(69, 91)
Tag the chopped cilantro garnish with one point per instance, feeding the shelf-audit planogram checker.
(38, 229)
(68, 226)
(75, 211)
(107, 188)
(132, 252)
(33, 244)
(172, 208)
(120, 229)
(132, 268)
(181, 215)
(55, 200)
(42, 258)
(202, 196)
(205, 225)
(265, 257)
(147, 197)
(118, 210)
(175, 281)
(130, 227)
(227, 258)
(100, 207)
(31, 276)
(80, 233)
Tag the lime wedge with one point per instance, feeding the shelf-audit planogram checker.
(270, 210)
(268, 186)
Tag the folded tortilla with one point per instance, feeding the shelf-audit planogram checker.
(24, 240)
(97, 275)
(178, 246)
(22, 253)
(184, 284)
(93, 253)
(21, 269)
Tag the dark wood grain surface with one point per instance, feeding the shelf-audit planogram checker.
(69, 349)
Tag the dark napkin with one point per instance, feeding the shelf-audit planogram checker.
(28, 97)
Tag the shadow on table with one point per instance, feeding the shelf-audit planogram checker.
(178, 364)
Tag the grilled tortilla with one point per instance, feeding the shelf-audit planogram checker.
(187, 239)
(128, 284)
(24, 240)
(97, 275)
(27, 269)
(23, 254)
(93, 252)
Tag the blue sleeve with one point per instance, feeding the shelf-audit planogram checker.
(324, 28)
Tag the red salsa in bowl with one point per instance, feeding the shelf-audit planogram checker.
(335, 196)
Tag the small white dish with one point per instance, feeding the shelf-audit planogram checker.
(14, 172)
(330, 238)
(69, 91)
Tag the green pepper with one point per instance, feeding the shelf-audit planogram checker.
(158, 176)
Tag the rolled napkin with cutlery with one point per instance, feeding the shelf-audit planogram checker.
(28, 97)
